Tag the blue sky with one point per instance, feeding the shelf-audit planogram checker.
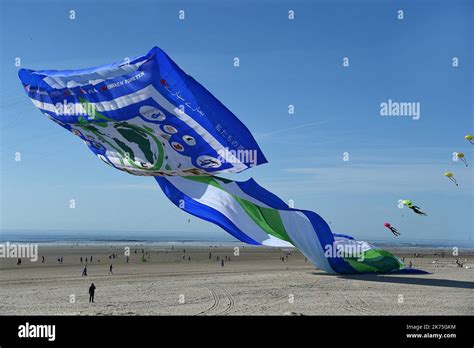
(282, 62)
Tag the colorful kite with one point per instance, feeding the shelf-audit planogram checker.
(461, 156)
(469, 138)
(451, 177)
(147, 117)
(413, 207)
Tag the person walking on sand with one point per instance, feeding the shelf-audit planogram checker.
(91, 293)
(84, 271)
(222, 263)
(42, 259)
(110, 269)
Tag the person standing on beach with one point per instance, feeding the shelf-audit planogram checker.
(222, 263)
(42, 259)
(210, 255)
(110, 269)
(84, 271)
(91, 293)
(81, 259)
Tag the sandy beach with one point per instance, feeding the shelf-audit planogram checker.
(256, 282)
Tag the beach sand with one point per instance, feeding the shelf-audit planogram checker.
(256, 282)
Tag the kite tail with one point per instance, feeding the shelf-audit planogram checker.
(256, 216)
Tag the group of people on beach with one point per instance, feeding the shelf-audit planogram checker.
(87, 260)
(84, 270)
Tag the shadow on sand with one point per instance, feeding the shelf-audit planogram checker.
(386, 278)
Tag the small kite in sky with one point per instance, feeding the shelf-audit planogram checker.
(392, 229)
(469, 138)
(450, 176)
(461, 156)
(413, 207)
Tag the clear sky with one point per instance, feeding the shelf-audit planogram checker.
(282, 62)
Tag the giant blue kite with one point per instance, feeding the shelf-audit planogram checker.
(146, 116)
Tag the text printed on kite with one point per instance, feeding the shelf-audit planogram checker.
(147, 117)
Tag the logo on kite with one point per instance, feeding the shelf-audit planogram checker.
(170, 129)
(151, 113)
(208, 162)
(177, 146)
(189, 140)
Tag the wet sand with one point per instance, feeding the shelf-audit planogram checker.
(256, 282)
